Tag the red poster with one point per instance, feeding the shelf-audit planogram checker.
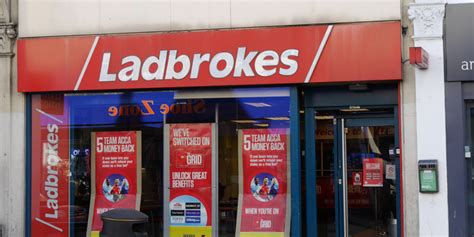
(373, 172)
(116, 174)
(190, 149)
(264, 197)
(50, 167)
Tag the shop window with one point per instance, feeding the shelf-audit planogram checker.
(63, 126)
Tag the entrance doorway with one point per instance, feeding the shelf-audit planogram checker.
(354, 152)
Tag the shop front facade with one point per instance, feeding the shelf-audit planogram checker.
(214, 119)
(459, 56)
(251, 132)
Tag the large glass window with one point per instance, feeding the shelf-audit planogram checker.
(62, 130)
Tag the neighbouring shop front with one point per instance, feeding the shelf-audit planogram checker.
(459, 56)
(283, 131)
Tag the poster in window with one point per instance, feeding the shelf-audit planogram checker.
(264, 197)
(190, 180)
(372, 172)
(116, 174)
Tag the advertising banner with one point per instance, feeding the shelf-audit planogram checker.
(264, 56)
(190, 180)
(50, 167)
(264, 198)
(372, 172)
(116, 174)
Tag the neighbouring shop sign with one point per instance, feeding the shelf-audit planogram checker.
(116, 174)
(50, 167)
(372, 172)
(190, 180)
(264, 197)
(459, 36)
(269, 56)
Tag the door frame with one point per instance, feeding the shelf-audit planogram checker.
(310, 164)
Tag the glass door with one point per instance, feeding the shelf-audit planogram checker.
(369, 172)
(355, 173)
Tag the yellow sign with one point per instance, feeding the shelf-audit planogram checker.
(181, 231)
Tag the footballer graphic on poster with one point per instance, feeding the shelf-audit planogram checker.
(115, 187)
(264, 187)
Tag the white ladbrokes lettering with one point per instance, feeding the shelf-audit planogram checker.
(51, 184)
(221, 65)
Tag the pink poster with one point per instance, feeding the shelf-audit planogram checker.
(116, 174)
(264, 197)
(190, 179)
(373, 172)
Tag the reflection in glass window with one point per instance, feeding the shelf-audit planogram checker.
(69, 120)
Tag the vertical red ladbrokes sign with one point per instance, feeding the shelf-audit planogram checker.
(49, 167)
(116, 174)
(190, 202)
(264, 198)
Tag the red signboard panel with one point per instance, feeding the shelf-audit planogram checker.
(264, 199)
(117, 163)
(190, 179)
(286, 55)
(372, 172)
(50, 167)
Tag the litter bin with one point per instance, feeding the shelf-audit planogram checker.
(124, 223)
(392, 227)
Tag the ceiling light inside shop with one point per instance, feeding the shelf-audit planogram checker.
(354, 109)
(324, 117)
(258, 105)
(244, 121)
(262, 124)
(278, 118)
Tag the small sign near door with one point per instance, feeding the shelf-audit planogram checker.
(390, 172)
(372, 172)
(356, 179)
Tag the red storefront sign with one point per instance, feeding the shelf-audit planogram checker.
(116, 174)
(190, 149)
(372, 172)
(264, 198)
(50, 167)
(285, 55)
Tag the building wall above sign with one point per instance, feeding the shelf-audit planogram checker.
(39, 18)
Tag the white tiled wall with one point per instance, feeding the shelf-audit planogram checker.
(73, 17)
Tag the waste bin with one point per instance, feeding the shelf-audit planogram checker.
(124, 223)
(392, 227)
